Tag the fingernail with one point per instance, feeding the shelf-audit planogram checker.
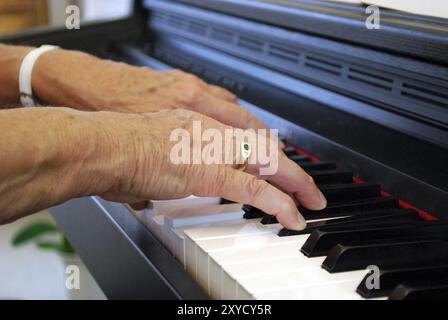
(301, 224)
(322, 199)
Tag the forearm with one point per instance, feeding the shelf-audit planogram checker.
(47, 156)
(10, 60)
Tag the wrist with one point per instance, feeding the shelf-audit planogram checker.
(57, 81)
(10, 60)
(88, 152)
(49, 155)
(71, 146)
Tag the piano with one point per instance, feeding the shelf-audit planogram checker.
(365, 112)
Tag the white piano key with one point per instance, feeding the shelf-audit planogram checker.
(231, 273)
(154, 224)
(185, 217)
(211, 254)
(235, 258)
(174, 227)
(343, 290)
(182, 213)
(217, 231)
(232, 228)
(230, 238)
(221, 231)
(166, 206)
(257, 253)
(205, 246)
(292, 279)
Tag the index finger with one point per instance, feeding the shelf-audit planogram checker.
(238, 186)
(289, 177)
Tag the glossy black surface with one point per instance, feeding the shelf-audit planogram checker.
(387, 254)
(425, 291)
(331, 176)
(299, 158)
(320, 242)
(381, 218)
(347, 24)
(390, 279)
(356, 207)
(351, 191)
(315, 166)
(410, 94)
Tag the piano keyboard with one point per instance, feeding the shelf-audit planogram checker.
(235, 251)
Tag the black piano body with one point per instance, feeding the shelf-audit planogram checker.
(375, 101)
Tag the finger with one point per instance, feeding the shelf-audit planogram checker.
(146, 106)
(292, 179)
(216, 91)
(228, 113)
(282, 171)
(281, 145)
(242, 187)
(122, 198)
(221, 93)
(139, 205)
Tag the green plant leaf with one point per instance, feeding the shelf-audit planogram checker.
(50, 245)
(62, 246)
(68, 249)
(33, 231)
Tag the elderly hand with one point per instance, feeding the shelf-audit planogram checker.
(81, 81)
(138, 151)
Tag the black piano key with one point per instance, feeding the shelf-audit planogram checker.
(338, 194)
(390, 278)
(341, 209)
(252, 212)
(351, 208)
(321, 241)
(372, 219)
(299, 159)
(315, 166)
(426, 291)
(290, 151)
(351, 191)
(384, 255)
(325, 177)
(268, 219)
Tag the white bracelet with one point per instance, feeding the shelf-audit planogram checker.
(26, 70)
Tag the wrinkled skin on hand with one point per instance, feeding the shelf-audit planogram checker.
(81, 81)
(139, 147)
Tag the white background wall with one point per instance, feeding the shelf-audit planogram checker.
(91, 10)
(104, 9)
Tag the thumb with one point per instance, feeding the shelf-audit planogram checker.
(238, 186)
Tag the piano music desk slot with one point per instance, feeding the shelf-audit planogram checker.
(197, 28)
(370, 83)
(250, 44)
(176, 21)
(283, 53)
(426, 95)
(158, 16)
(370, 79)
(323, 65)
(222, 35)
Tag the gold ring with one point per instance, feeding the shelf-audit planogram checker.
(245, 155)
